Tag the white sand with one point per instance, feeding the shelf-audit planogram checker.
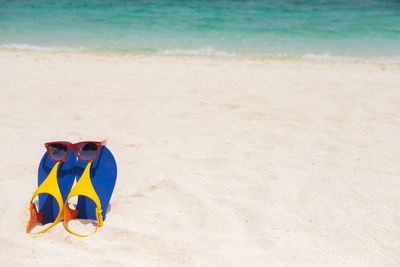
(222, 162)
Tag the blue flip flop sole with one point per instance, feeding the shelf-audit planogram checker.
(65, 178)
(103, 174)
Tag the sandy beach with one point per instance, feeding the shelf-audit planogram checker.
(221, 161)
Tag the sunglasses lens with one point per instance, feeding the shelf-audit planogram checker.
(57, 151)
(87, 151)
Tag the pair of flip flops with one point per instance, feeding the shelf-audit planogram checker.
(95, 181)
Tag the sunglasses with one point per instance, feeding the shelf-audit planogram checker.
(86, 151)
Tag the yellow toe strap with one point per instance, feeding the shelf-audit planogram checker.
(48, 186)
(85, 188)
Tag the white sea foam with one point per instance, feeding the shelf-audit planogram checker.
(30, 47)
(210, 51)
(330, 57)
(203, 51)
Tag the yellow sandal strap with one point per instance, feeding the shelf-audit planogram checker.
(48, 186)
(83, 187)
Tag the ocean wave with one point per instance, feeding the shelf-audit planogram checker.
(30, 47)
(204, 51)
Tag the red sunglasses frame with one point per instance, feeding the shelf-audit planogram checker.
(73, 146)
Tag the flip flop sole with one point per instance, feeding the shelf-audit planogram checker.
(65, 178)
(103, 174)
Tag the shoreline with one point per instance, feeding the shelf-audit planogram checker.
(307, 57)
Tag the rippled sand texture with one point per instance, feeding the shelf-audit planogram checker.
(222, 162)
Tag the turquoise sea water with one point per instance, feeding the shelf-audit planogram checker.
(267, 28)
